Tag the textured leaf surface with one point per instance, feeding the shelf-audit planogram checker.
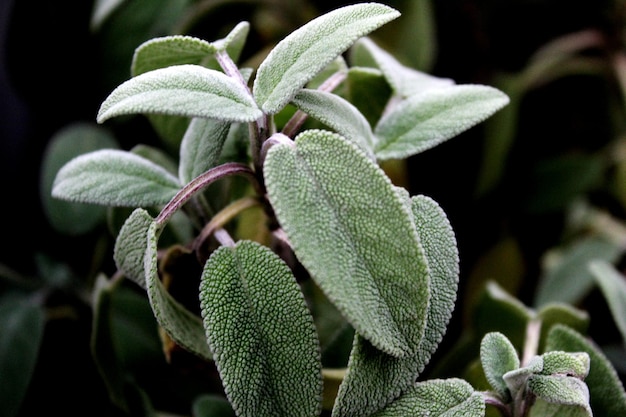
(201, 147)
(170, 50)
(131, 245)
(437, 398)
(301, 55)
(114, 178)
(375, 378)
(354, 234)
(498, 356)
(184, 327)
(338, 114)
(608, 397)
(21, 326)
(182, 90)
(404, 81)
(559, 389)
(261, 332)
(425, 120)
(613, 286)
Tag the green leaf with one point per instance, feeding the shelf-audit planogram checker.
(131, 246)
(558, 389)
(184, 327)
(301, 55)
(560, 313)
(437, 397)
(75, 139)
(575, 364)
(182, 90)
(114, 178)
(21, 326)
(382, 377)
(261, 332)
(354, 234)
(403, 80)
(170, 50)
(568, 279)
(369, 91)
(498, 356)
(608, 397)
(338, 114)
(201, 147)
(613, 286)
(425, 120)
(210, 405)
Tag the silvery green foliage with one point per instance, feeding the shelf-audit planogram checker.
(387, 261)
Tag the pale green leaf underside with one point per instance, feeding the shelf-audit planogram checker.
(613, 286)
(561, 389)
(182, 90)
(201, 147)
(425, 120)
(337, 113)
(498, 356)
(302, 54)
(375, 378)
(170, 50)
(404, 81)
(437, 398)
(184, 327)
(114, 178)
(131, 245)
(261, 332)
(354, 234)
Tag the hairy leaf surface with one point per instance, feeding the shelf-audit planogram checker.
(201, 147)
(302, 54)
(498, 356)
(425, 120)
(182, 90)
(131, 246)
(437, 397)
(354, 234)
(375, 378)
(114, 178)
(261, 332)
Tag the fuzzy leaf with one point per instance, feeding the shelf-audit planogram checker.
(170, 50)
(559, 389)
(574, 364)
(382, 376)
(354, 234)
(404, 81)
(301, 55)
(425, 120)
(498, 356)
(184, 327)
(201, 147)
(182, 90)
(608, 397)
(114, 178)
(131, 246)
(613, 286)
(261, 332)
(437, 398)
(338, 114)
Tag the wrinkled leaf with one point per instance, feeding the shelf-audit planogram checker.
(613, 286)
(302, 54)
(114, 178)
(21, 326)
(182, 90)
(559, 389)
(338, 114)
(498, 356)
(131, 246)
(575, 364)
(606, 390)
(425, 120)
(437, 397)
(170, 50)
(261, 332)
(201, 147)
(404, 81)
(354, 234)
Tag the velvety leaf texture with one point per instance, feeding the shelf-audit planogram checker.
(201, 147)
(354, 234)
(184, 327)
(559, 389)
(437, 398)
(182, 90)
(170, 50)
(339, 114)
(425, 120)
(131, 245)
(375, 378)
(302, 54)
(261, 332)
(498, 356)
(114, 178)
